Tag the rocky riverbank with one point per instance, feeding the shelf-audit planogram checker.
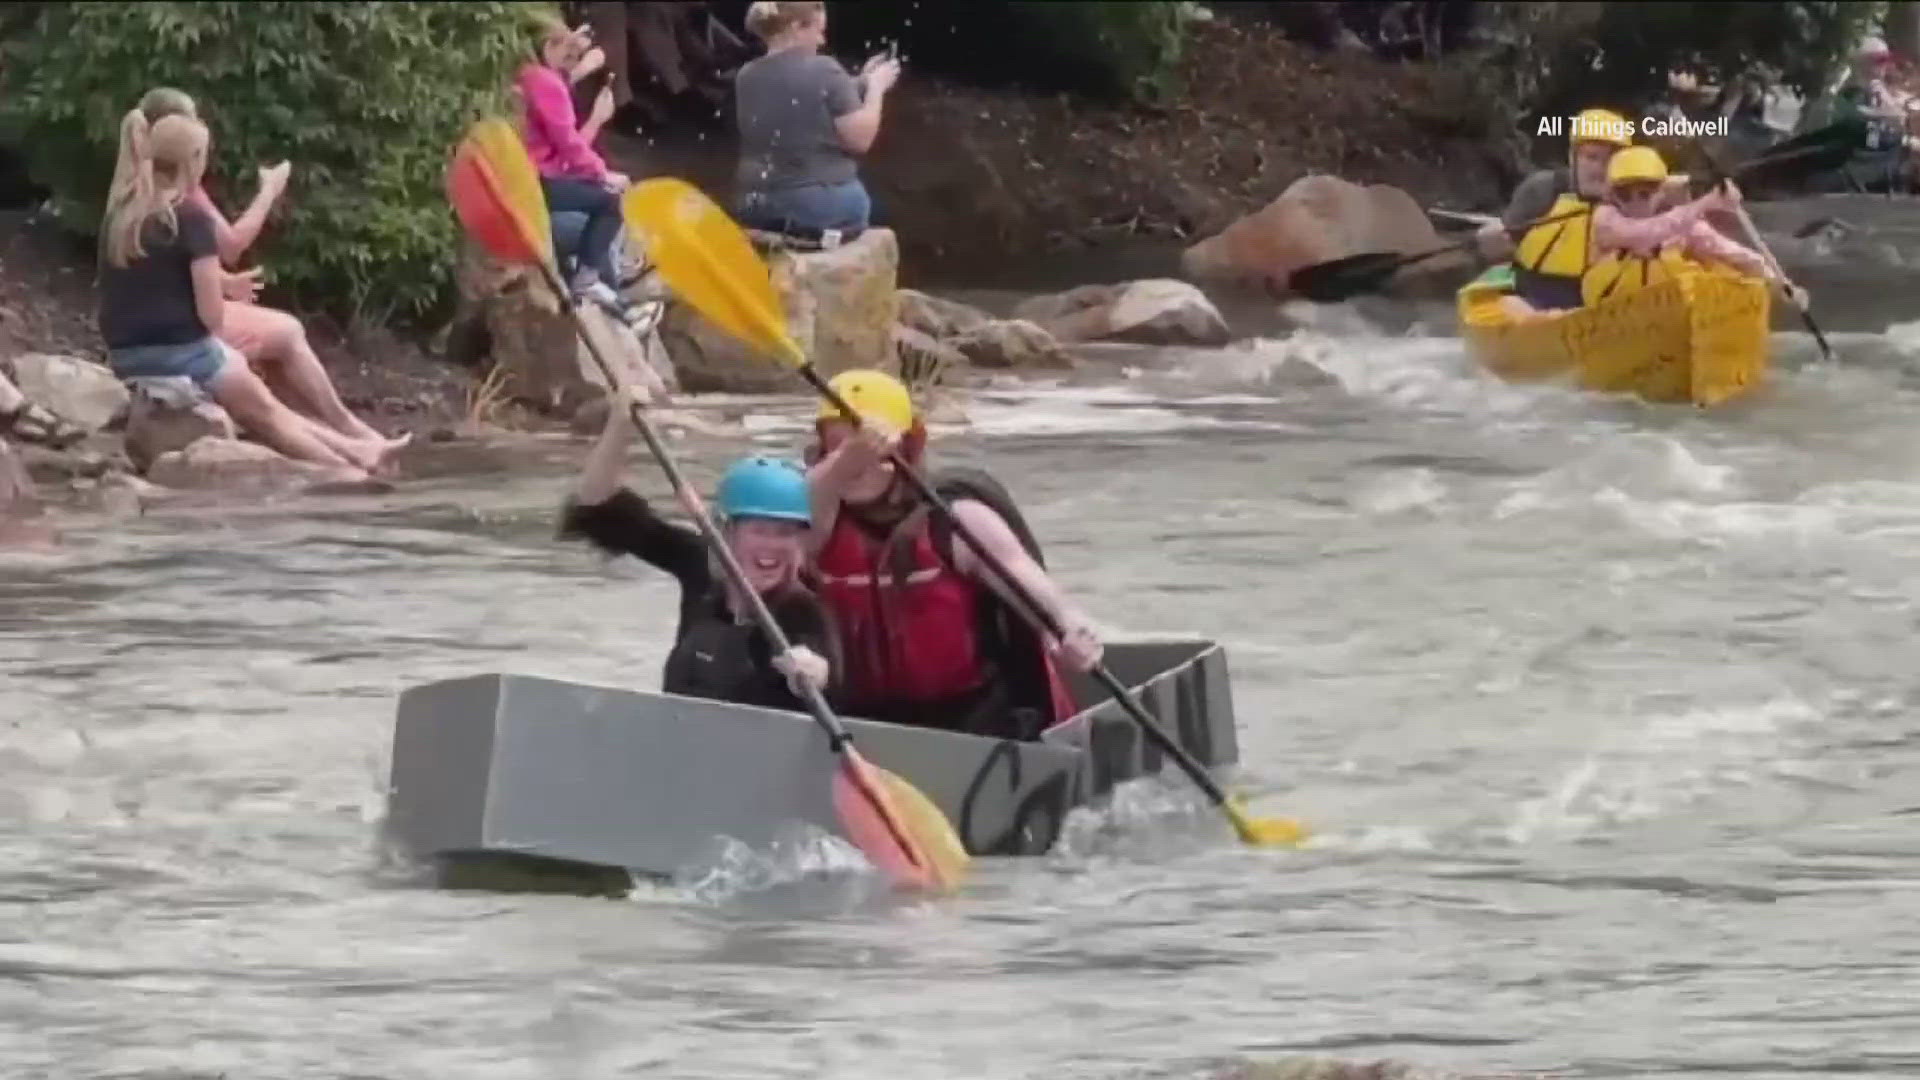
(972, 182)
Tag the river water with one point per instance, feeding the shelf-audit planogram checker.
(1605, 714)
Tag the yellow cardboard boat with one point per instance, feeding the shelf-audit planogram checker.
(1699, 337)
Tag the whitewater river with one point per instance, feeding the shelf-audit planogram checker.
(1605, 714)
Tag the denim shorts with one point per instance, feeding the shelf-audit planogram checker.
(814, 207)
(202, 361)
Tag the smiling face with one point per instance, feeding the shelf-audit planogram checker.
(1636, 198)
(768, 549)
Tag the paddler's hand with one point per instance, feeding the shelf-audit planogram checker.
(1081, 649)
(873, 442)
(1794, 294)
(802, 665)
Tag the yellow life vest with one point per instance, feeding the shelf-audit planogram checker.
(1551, 259)
(1620, 274)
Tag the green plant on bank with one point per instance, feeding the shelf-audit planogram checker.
(1132, 45)
(365, 99)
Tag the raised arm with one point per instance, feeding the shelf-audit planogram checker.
(1080, 646)
(237, 236)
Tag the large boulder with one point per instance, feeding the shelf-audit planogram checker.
(216, 464)
(1318, 218)
(937, 317)
(86, 393)
(1011, 343)
(537, 344)
(170, 414)
(1157, 311)
(840, 305)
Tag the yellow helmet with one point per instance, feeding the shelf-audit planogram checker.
(1636, 163)
(874, 395)
(1602, 125)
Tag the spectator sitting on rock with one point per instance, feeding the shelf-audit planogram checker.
(23, 420)
(163, 295)
(272, 341)
(573, 176)
(803, 120)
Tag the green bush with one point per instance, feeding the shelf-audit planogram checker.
(1130, 45)
(366, 99)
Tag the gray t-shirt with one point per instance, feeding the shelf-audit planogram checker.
(786, 103)
(1533, 199)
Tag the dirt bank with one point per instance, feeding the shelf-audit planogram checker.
(978, 180)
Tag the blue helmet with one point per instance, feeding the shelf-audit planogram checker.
(767, 488)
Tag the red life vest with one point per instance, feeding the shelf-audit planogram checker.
(901, 641)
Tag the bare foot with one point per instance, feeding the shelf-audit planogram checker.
(391, 447)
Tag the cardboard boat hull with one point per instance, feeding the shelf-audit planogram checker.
(503, 768)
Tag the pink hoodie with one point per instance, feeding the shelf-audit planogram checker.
(551, 130)
(1683, 226)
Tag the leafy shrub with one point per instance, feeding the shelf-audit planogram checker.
(366, 99)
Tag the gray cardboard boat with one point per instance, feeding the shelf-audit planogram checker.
(501, 776)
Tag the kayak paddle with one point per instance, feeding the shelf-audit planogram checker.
(706, 259)
(1339, 279)
(1760, 245)
(496, 193)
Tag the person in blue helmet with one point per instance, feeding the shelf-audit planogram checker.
(718, 652)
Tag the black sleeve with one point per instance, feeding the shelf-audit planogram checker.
(626, 525)
(197, 237)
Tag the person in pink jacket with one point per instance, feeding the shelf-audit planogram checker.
(573, 176)
(1627, 221)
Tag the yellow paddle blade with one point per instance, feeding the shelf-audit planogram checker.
(497, 144)
(947, 858)
(708, 262)
(1265, 832)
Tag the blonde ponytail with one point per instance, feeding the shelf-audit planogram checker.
(158, 166)
(768, 19)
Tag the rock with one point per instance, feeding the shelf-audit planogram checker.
(841, 306)
(1156, 311)
(168, 415)
(922, 360)
(546, 363)
(1011, 343)
(84, 461)
(1161, 311)
(936, 317)
(213, 463)
(84, 392)
(1317, 219)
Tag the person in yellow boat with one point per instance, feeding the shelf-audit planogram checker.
(1640, 246)
(1550, 258)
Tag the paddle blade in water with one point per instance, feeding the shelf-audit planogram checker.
(1337, 280)
(1265, 832)
(708, 262)
(496, 194)
(893, 829)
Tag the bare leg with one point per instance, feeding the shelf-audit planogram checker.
(253, 406)
(267, 337)
(10, 396)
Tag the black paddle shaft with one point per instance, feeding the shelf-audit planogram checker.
(1033, 610)
(837, 736)
(1720, 176)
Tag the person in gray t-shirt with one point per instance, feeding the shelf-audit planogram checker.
(803, 121)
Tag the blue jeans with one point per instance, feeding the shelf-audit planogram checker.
(808, 209)
(202, 361)
(602, 207)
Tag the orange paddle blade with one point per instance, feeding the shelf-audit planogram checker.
(496, 192)
(894, 833)
(706, 259)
